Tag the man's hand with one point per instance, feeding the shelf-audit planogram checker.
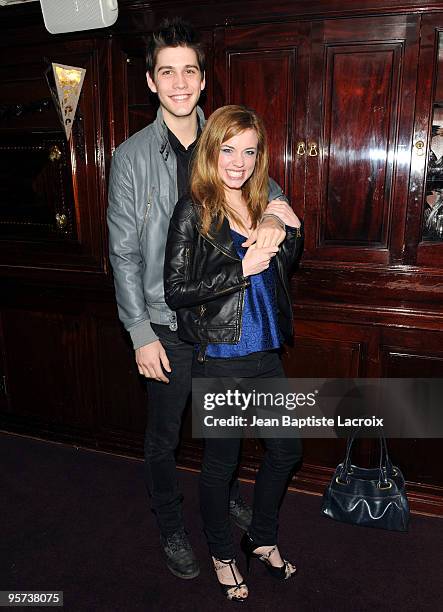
(269, 232)
(150, 358)
(283, 211)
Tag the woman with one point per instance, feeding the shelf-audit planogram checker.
(233, 304)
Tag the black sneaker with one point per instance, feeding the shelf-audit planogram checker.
(241, 513)
(180, 558)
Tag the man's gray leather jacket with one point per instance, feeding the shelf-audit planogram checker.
(142, 196)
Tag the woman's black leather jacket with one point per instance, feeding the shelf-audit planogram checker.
(204, 279)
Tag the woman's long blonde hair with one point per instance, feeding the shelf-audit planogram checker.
(207, 189)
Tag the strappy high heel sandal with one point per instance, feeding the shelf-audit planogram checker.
(230, 591)
(284, 572)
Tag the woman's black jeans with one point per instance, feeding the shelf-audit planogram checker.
(221, 458)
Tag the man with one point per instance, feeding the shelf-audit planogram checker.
(149, 173)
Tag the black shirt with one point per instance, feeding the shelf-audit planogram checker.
(183, 161)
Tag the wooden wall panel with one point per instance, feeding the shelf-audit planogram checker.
(343, 350)
(273, 99)
(401, 363)
(361, 95)
(331, 349)
(46, 353)
(407, 353)
(323, 350)
(420, 459)
(267, 69)
(363, 128)
(123, 398)
(316, 358)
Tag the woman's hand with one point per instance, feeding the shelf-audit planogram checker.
(256, 260)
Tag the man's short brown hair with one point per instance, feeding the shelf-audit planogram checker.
(173, 33)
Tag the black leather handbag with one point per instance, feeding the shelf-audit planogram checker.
(373, 497)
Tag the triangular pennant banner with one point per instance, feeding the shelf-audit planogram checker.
(66, 93)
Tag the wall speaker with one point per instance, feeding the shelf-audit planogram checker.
(74, 15)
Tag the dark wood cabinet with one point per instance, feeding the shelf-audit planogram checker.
(362, 93)
(53, 197)
(350, 93)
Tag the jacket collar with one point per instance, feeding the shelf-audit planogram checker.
(222, 239)
(161, 131)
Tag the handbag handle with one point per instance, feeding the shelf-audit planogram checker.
(385, 463)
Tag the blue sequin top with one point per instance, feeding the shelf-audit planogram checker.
(260, 330)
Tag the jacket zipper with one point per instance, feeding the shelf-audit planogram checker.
(201, 357)
(145, 218)
(187, 262)
(223, 291)
(240, 317)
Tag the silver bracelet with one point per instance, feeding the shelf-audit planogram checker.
(282, 223)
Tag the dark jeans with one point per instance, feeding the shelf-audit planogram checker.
(221, 459)
(166, 405)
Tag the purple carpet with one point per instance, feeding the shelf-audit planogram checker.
(78, 521)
